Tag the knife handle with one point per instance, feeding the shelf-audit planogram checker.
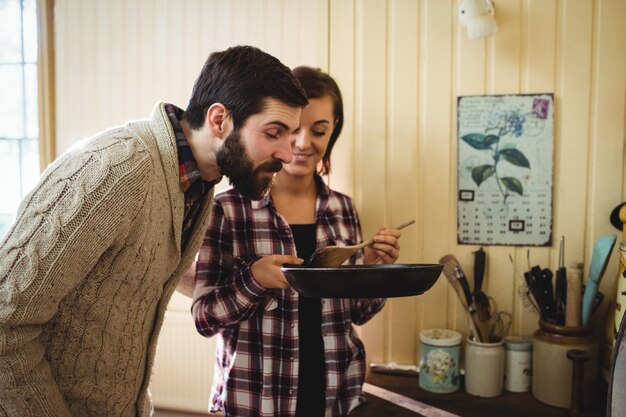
(548, 293)
(560, 293)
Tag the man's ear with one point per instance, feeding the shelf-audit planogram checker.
(218, 120)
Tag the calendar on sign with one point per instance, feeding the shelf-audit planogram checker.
(505, 146)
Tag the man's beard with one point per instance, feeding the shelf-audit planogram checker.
(234, 162)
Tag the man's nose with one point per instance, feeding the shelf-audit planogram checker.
(283, 151)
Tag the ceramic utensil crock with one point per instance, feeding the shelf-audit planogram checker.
(484, 368)
(552, 370)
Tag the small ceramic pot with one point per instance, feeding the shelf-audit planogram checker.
(484, 368)
(518, 363)
(439, 360)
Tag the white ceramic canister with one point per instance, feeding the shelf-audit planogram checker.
(439, 360)
(518, 363)
(484, 368)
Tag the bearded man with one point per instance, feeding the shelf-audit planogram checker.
(102, 241)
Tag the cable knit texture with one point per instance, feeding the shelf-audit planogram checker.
(86, 273)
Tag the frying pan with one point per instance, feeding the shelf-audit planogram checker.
(363, 281)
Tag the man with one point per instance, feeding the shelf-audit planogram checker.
(101, 243)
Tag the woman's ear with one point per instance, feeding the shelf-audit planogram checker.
(218, 120)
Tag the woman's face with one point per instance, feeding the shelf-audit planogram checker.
(310, 141)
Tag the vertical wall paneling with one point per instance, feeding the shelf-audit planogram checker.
(113, 68)
(434, 147)
(46, 87)
(370, 140)
(341, 64)
(572, 93)
(508, 58)
(401, 136)
(102, 81)
(116, 63)
(606, 150)
(470, 79)
(183, 365)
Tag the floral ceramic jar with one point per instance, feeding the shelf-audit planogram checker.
(439, 360)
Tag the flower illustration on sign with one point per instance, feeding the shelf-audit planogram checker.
(508, 123)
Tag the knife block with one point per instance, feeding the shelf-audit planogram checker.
(552, 370)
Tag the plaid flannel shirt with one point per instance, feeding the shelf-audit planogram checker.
(256, 371)
(193, 187)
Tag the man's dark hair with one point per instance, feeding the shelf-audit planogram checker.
(242, 78)
(318, 84)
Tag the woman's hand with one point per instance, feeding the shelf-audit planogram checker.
(385, 248)
(266, 271)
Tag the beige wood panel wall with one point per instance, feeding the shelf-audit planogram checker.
(410, 62)
(401, 65)
(115, 59)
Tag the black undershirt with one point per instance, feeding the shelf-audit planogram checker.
(311, 370)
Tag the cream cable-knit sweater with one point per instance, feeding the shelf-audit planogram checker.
(86, 274)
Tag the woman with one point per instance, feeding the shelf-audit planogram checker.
(279, 353)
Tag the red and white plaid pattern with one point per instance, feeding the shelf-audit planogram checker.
(256, 371)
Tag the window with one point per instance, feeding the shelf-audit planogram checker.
(19, 130)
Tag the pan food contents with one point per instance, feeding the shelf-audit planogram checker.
(363, 281)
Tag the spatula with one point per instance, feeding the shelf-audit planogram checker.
(599, 260)
(334, 256)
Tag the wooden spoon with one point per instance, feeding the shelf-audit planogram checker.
(455, 275)
(334, 256)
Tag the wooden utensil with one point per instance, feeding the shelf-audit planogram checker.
(574, 294)
(453, 272)
(334, 256)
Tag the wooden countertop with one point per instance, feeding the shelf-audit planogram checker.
(460, 403)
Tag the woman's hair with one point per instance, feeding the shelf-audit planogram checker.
(318, 84)
(242, 78)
